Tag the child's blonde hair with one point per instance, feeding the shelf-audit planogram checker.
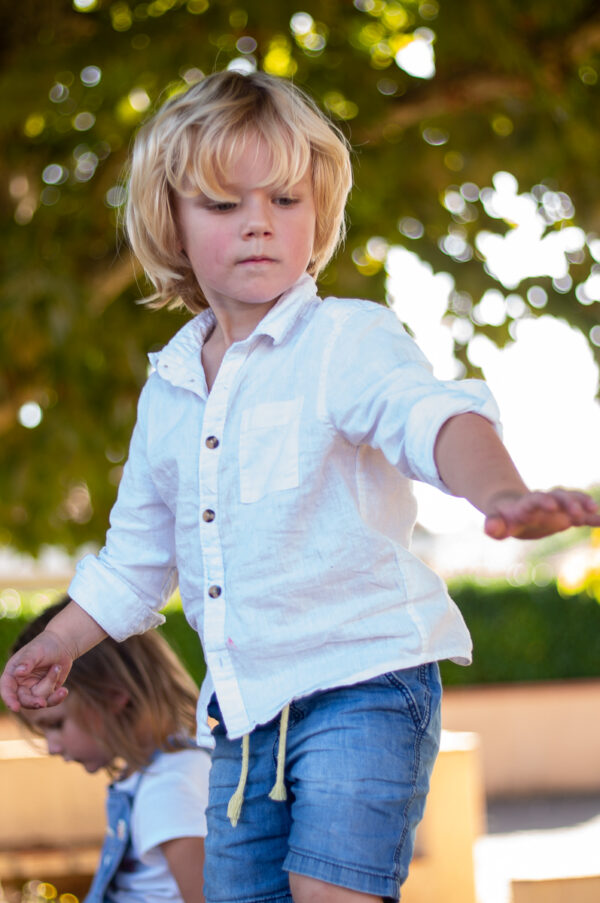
(188, 147)
(138, 690)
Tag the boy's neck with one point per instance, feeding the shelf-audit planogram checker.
(223, 336)
(233, 324)
(237, 324)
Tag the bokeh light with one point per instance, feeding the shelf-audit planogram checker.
(30, 415)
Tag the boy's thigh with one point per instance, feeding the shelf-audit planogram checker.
(358, 764)
(245, 863)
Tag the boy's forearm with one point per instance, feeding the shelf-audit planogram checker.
(473, 462)
(76, 629)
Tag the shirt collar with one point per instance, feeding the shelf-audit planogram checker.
(287, 311)
(183, 350)
(184, 347)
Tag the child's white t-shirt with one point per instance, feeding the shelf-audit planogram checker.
(170, 802)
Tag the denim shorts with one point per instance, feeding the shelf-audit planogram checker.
(358, 764)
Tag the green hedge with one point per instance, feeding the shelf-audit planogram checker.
(185, 642)
(523, 633)
(520, 633)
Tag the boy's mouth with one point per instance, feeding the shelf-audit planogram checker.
(258, 258)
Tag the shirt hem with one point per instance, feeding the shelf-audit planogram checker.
(459, 657)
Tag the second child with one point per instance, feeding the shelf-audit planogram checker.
(131, 710)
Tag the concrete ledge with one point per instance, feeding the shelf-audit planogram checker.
(443, 868)
(527, 733)
(581, 889)
(47, 802)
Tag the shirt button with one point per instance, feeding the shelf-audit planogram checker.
(208, 515)
(211, 442)
(214, 591)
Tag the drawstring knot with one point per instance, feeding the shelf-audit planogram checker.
(278, 791)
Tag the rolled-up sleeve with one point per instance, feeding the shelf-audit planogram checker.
(394, 403)
(125, 585)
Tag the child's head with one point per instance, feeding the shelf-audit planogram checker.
(191, 144)
(125, 700)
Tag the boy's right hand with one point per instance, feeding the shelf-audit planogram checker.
(34, 676)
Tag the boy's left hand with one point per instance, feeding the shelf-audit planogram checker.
(531, 515)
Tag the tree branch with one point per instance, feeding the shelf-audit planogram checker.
(448, 97)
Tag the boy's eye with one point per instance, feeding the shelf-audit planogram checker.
(285, 201)
(222, 206)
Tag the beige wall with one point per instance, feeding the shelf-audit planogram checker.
(535, 738)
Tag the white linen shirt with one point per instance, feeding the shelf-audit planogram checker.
(282, 502)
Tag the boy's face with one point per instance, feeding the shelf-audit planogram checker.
(248, 252)
(67, 736)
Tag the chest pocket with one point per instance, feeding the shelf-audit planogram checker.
(269, 448)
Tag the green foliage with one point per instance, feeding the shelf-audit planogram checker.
(524, 633)
(185, 642)
(516, 88)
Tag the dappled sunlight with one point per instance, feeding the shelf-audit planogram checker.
(417, 57)
(30, 415)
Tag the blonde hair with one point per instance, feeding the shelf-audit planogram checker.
(188, 147)
(158, 695)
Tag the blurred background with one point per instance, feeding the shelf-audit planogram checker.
(475, 215)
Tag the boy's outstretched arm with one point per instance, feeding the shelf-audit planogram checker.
(33, 678)
(474, 464)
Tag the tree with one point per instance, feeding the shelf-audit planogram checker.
(515, 89)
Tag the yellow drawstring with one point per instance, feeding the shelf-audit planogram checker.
(278, 791)
(235, 803)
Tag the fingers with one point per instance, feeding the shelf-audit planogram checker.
(8, 686)
(15, 673)
(59, 695)
(582, 508)
(29, 681)
(533, 515)
(496, 528)
(48, 684)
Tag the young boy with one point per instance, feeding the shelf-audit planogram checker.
(270, 472)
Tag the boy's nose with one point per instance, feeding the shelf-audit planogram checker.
(258, 223)
(257, 230)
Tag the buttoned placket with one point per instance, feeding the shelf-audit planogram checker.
(218, 657)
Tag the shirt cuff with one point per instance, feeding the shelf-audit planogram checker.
(469, 396)
(110, 601)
